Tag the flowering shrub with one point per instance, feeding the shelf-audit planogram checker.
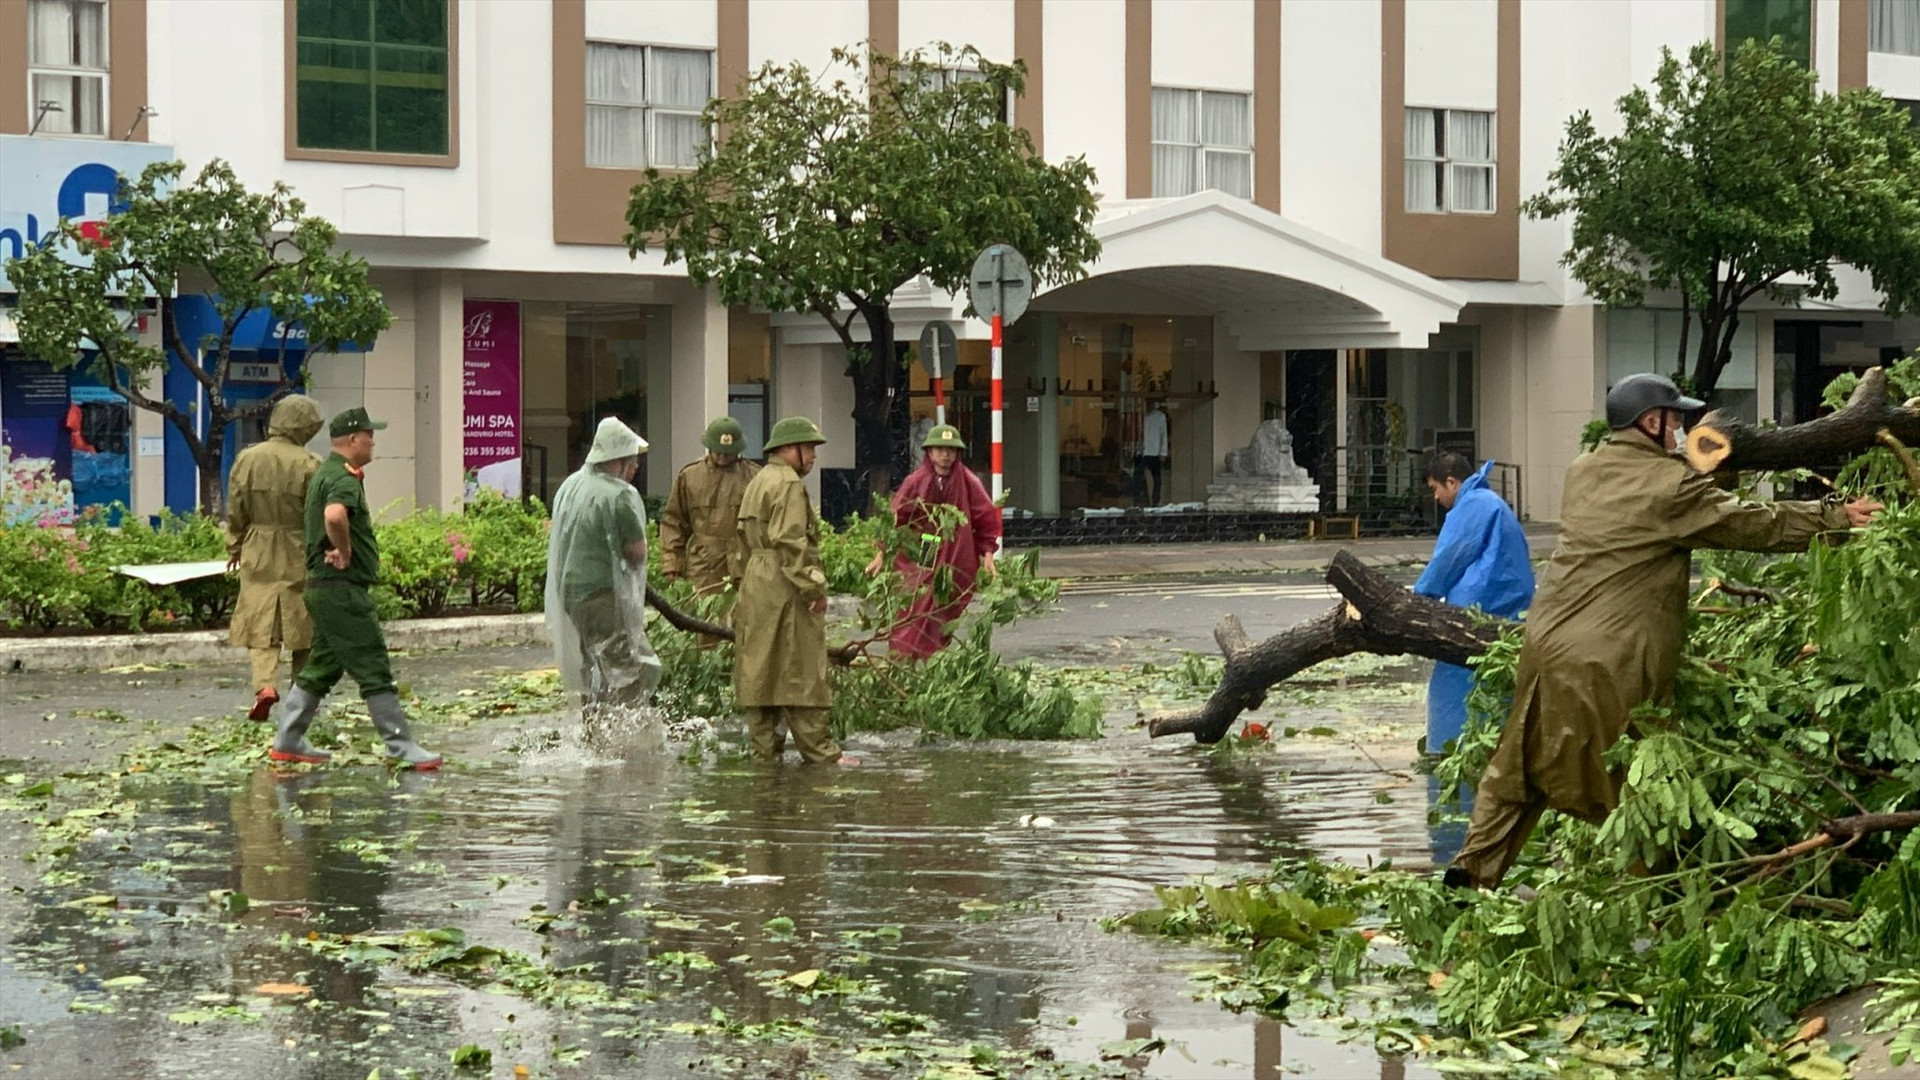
(132, 603)
(42, 581)
(507, 550)
(492, 552)
(417, 560)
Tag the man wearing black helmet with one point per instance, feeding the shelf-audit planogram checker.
(1606, 628)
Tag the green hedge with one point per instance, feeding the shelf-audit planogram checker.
(490, 553)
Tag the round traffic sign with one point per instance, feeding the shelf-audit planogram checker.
(939, 350)
(1000, 283)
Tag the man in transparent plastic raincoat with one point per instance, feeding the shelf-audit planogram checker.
(597, 578)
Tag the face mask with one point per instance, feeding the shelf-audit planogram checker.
(1679, 435)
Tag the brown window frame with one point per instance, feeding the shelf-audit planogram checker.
(295, 152)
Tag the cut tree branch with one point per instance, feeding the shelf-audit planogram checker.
(1912, 467)
(1847, 830)
(693, 624)
(1377, 616)
(1723, 442)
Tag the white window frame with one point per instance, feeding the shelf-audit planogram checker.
(1447, 164)
(647, 109)
(1202, 179)
(102, 74)
(942, 75)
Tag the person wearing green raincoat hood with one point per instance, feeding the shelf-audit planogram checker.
(266, 526)
(597, 579)
(1605, 632)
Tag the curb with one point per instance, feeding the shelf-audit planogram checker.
(20, 656)
(33, 655)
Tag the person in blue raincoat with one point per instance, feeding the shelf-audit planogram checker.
(1480, 561)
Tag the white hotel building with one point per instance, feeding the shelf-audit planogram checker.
(1308, 212)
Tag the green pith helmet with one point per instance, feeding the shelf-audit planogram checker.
(789, 430)
(943, 435)
(724, 436)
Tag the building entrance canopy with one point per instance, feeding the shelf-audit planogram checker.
(1274, 283)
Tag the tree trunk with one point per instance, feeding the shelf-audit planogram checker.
(874, 383)
(213, 493)
(1377, 617)
(1721, 441)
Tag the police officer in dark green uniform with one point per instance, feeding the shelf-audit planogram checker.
(343, 559)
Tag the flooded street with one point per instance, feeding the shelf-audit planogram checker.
(636, 914)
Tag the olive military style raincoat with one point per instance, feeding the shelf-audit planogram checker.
(699, 526)
(266, 515)
(780, 645)
(1605, 631)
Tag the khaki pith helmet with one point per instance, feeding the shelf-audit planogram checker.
(724, 436)
(943, 435)
(789, 430)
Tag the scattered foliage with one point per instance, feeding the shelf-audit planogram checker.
(1685, 934)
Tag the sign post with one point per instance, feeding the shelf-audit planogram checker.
(937, 347)
(999, 288)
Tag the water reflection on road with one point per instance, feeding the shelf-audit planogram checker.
(961, 882)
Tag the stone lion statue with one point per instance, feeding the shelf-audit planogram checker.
(1270, 454)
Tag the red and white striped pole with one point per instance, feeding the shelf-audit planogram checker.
(999, 461)
(939, 400)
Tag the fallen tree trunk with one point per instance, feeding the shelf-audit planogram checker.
(1722, 441)
(693, 624)
(1377, 617)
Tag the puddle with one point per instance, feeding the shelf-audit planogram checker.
(951, 891)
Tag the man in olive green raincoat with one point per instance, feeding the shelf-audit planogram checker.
(266, 513)
(1605, 631)
(780, 618)
(700, 524)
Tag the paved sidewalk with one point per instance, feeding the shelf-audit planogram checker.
(20, 656)
(1275, 556)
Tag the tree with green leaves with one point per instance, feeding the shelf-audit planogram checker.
(251, 251)
(1732, 178)
(826, 194)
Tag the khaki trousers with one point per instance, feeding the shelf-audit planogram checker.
(1496, 835)
(812, 732)
(266, 666)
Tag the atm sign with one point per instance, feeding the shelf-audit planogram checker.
(253, 372)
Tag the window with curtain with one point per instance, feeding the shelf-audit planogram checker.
(644, 104)
(1202, 139)
(941, 78)
(1893, 26)
(67, 66)
(1449, 161)
(1762, 20)
(371, 75)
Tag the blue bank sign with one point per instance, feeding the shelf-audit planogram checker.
(43, 180)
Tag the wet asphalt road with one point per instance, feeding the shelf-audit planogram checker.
(929, 839)
(1160, 618)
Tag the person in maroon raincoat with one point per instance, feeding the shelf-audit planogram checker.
(940, 480)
